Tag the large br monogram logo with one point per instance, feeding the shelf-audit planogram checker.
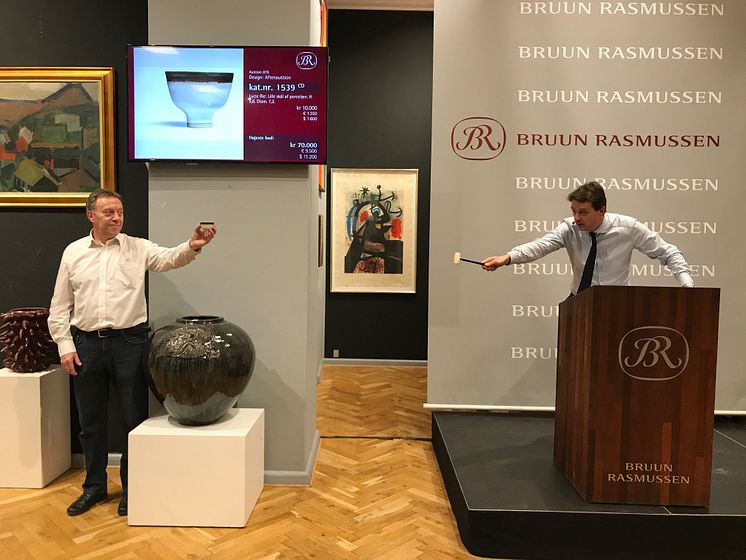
(478, 138)
(306, 60)
(653, 353)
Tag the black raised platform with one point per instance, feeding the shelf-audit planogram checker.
(510, 501)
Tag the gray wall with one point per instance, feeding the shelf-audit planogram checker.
(261, 271)
(492, 336)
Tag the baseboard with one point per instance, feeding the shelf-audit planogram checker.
(373, 362)
(298, 478)
(522, 409)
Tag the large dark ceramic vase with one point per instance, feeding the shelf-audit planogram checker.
(199, 366)
(25, 340)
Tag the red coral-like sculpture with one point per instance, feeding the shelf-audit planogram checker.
(25, 340)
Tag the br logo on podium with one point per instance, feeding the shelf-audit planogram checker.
(306, 60)
(478, 138)
(653, 353)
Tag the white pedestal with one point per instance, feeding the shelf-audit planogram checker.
(34, 427)
(196, 476)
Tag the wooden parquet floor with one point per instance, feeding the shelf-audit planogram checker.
(373, 401)
(376, 493)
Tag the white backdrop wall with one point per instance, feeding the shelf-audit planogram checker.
(645, 97)
(261, 270)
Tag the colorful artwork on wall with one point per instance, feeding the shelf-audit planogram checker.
(56, 135)
(373, 230)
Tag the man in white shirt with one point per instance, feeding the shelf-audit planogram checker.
(608, 239)
(98, 318)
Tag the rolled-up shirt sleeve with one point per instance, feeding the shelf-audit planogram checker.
(651, 244)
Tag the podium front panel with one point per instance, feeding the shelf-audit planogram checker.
(636, 394)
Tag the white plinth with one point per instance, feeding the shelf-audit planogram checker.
(196, 476)
(34, 427)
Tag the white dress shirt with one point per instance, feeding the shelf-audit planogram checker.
(103, 285)
(616, 237)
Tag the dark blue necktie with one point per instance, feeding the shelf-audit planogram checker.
(587, 278)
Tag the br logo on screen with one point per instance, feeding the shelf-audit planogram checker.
(306, 60)
(653, 353)
(478, 138)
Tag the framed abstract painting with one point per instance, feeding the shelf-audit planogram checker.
(373, 238)
(56, 135)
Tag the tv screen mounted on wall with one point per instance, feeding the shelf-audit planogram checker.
(252, 104)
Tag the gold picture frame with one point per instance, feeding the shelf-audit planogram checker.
(373, 238)
(57, 139)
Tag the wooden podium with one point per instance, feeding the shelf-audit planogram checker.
(636, 394)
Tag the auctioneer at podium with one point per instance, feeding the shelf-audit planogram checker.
(636, 394)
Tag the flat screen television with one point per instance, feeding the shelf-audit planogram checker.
(251, 104)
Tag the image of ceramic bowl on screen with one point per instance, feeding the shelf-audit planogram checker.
(199, 94)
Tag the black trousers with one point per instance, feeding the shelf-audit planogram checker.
(120, 359)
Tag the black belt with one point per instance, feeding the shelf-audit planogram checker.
(106, 333)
